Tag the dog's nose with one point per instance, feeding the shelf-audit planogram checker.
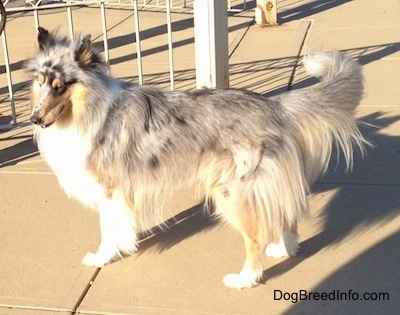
(36, 119)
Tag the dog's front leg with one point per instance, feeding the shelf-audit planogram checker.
(118, 233)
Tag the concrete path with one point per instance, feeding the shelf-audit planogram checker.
(349, 245)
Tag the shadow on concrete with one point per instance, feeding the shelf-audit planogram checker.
(358, 205)
(131, 38)
(307, 9)
(246, 4)
(262, 74)
(374, 272)
(19, 152)
(364, 55)
(178, 228)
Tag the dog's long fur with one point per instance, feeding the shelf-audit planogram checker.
(123, 149)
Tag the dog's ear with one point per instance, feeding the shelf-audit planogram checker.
(83, 51)
(44, 38)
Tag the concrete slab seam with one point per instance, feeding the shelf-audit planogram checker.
(85, 292)
(34, 308)
(299, 53)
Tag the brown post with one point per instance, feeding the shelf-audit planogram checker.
(266, 13)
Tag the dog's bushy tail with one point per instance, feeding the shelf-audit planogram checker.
(342, 81)
(322, 115)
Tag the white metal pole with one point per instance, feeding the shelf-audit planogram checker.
(211, 43)
(170, 46)
(70, 20)
(9, 79)
(36, 18)
(105, 37)
(138, 47)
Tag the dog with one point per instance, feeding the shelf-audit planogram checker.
(123, 149)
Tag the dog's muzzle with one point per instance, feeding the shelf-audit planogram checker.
(37, 120)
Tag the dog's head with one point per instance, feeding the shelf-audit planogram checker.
(58, 75)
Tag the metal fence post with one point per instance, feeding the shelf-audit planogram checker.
(211, 43)
(170, 46)
(137, 39)
(105, 37)
(70, 20)
(9, 79)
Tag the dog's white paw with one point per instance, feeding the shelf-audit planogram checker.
(239, 281)
(93, 260)
(276, 251)
(288, 246)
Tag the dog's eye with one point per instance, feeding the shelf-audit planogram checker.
(60, 88)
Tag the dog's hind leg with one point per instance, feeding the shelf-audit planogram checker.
(252, 269)
(241, 218)
(288, 244)
(118, 233)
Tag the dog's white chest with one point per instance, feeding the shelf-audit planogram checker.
(66, 151)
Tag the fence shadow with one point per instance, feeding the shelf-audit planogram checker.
(374, 272)
(184, 225)
(307, 9)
